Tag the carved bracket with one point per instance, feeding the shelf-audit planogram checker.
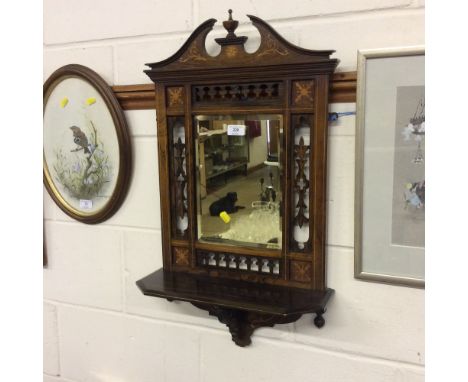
(242, 324)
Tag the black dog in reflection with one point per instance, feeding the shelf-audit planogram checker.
(226, 203)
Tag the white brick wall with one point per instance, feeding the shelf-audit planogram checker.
(99, 327)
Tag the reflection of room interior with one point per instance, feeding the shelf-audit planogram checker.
(247, 165)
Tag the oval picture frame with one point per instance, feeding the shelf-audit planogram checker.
(87, 156)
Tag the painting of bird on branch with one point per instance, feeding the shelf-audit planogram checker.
(88, 173)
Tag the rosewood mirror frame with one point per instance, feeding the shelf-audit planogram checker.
(266, 286)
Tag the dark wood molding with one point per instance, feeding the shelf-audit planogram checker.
(135, 97)
(141, 97)
(343, 87)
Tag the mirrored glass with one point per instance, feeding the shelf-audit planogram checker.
(239, 173)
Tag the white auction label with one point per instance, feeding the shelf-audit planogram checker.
(86, 204)
(236, 130)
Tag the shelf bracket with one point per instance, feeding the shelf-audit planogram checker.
(241, 324)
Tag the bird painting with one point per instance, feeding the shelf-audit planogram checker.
(80, 139)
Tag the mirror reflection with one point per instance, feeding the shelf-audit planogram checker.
(239, 173)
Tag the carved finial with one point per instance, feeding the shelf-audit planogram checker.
(231, 39)
(230, 25)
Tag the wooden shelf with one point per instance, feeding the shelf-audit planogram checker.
(243, 306)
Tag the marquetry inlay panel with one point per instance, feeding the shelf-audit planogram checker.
(302, 93)
(301, 271)
(175, 97)
(181, 256)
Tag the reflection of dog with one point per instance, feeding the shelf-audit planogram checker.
(226, 203)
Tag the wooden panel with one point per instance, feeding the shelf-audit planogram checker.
(141, 97)
(164, 173)
(191, 171)
(320, 181)
(181, 256)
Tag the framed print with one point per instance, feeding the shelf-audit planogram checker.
(87, 153)
(390, 166)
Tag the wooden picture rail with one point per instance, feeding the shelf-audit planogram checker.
(141, 97)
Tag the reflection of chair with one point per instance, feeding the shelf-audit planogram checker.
(268, 193)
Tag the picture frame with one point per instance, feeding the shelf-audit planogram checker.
(389, 166)
(87, 156)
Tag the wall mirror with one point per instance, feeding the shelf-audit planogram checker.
(242, 149)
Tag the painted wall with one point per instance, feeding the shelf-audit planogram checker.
(99, 327)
